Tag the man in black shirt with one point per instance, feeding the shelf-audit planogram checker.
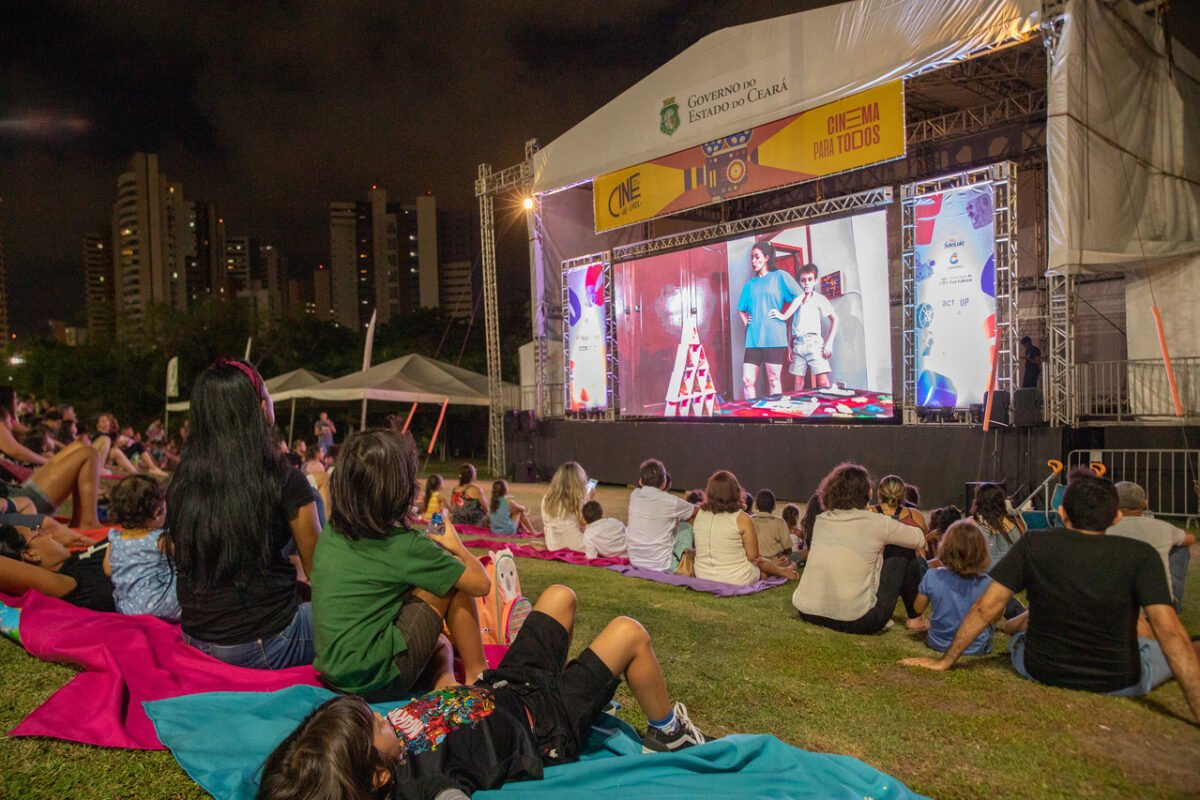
(1031, 358)
(1085, 590)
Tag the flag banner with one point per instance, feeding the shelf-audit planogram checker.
(865, 128)
(173, 377)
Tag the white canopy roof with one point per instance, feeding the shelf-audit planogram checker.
(281, 387)
(409, 379)
(813, 57)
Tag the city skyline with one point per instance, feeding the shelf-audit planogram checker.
(272, 113)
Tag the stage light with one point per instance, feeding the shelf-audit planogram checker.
(527, 204)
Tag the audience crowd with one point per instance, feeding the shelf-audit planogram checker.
(270, 556)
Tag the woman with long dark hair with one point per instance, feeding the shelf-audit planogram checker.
(233, 507)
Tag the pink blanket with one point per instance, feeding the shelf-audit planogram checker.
(126, 660)
(569, 556)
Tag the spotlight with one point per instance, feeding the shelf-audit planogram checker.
(527, 204)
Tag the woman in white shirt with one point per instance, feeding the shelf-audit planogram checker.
(726, 542)
(562, 508)
(847, 584)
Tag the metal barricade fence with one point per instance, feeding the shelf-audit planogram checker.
(1171, 478)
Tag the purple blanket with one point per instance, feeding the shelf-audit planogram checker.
(568, 556)
(697, 584)
(126, 660)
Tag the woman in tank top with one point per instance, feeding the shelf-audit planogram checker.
(726, 544)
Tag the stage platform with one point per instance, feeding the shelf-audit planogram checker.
(792, 458)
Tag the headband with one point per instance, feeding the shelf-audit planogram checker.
(255, 379)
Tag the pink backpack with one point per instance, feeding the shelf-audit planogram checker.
(503, 610)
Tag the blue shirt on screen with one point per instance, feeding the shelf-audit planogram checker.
(774, 290)
(952, 596)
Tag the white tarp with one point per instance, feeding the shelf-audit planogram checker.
(410, 379)
(1122, 141)
(751, 74)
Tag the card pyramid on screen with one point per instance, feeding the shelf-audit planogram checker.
(691, 391)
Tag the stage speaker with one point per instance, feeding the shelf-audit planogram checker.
(528, 421)
(999, 407)
(971, 485)
(1027, 407)
(511, 425)
(525, 472)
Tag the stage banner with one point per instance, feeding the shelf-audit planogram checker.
(853, 132)
(587, 329)
(955, 296)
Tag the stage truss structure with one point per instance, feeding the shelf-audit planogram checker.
(488, 185)
(1003, 179)
(610, 338)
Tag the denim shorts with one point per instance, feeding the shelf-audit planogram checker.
(291, 647)
(1155, 670)
(34, 492)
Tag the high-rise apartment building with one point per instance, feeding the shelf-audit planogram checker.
(458, 253)
(152, 240)
(99, 287)
(392, 258)
(322, 292)
(206, 267)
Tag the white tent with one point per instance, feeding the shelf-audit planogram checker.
(281, 387)
(409, 379)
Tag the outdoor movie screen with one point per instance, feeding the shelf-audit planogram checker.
(790, 323)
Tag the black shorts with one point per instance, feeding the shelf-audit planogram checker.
(765, 355)
(562, 700)
(421, 625)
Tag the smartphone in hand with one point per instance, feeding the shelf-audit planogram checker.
(591, 486)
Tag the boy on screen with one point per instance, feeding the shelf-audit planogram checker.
(810, 350)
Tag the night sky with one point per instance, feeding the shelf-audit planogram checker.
(274, 109)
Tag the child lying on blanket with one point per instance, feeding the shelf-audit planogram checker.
(529, 713)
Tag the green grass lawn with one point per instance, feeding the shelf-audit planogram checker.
(746, 665)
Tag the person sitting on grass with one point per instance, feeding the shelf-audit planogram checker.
(603, 536)
(466, 500)
(1001, 526)
(381, 590)
(1165, 538)
(726, 544)
(892, 491)
(848, 584)
(654, 516)
(505, 515)
(1082, 630)
(38, 561)
(955, 586)
(137, 557)
(433, 501)
(774, 543)
(74, 471)
(791, 518)
(562, 507)
(529, 713)
(940, 520)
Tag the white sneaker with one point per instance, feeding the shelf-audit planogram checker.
(686, 734)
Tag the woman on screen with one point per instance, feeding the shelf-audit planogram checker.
(766, 335)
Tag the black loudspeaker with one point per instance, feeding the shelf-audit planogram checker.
(970, 492)
(511, 426)
(999, 407)
(1027, 407)
(525, 472)
(528, 421)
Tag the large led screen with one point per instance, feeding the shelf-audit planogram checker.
(587, 357)
(955, 296)
(790, 323)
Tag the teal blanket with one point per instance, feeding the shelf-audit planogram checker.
(221, 738)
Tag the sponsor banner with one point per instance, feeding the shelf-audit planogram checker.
(587, 369)
(862, 129)
(955, 296)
